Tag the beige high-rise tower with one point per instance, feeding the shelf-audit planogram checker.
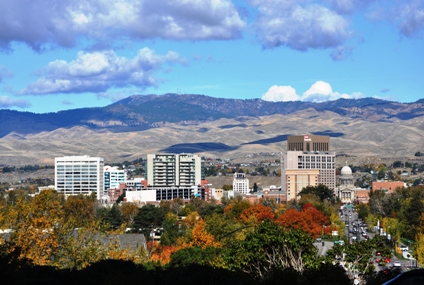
(308, 162)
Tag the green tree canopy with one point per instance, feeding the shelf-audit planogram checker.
(322, 191)
(148, 218)
(271, 246)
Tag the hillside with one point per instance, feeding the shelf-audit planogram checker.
(141, 112)
(243, 139)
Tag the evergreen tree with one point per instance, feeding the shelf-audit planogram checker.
(114, 217)
(148, 218)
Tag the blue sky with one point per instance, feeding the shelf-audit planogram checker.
(66, 54)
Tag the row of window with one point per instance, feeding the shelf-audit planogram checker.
(309, 165)
(316, 158)
(76, 166)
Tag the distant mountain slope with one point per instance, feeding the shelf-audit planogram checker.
(141, 112)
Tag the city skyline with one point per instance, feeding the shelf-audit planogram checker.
(73, 54)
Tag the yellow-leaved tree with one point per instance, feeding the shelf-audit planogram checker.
(201, 238)
(37, 227)
(419, 248)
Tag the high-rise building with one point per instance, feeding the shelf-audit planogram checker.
(113, 177)
(308, 162)
(241, 183)
(75, 175)
(174, 170)
(308, 143)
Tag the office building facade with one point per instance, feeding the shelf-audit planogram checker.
(113, 177)
(174, 170)
(240, 183)
(76, 175)
(308, 162)
(308, 143)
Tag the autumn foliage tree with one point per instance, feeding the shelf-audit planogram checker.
(201, 238)
(257, 213)
(79, 210)
(37, 227)
(310, 220)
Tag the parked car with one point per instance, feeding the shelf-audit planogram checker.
(319, 239)
(396, 264)
(403, 247)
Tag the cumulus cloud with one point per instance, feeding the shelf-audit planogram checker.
(411, 18)
(280, 94)
(7, 102)
(320, 91)
(62, 22)
(99, 71)
(285, 23)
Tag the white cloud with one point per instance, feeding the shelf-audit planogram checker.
(39, 23)
(285, 23)
(320, 91)
(280, 94)
(99, 71)
(319, 87)
(7, 102)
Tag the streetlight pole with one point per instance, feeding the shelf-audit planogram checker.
(347, 220)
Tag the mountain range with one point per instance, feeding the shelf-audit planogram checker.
(239, 129)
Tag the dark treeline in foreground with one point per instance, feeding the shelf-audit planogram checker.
(127, 272)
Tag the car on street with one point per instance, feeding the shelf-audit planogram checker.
(403, 247)
(319, 239)
(396, 264)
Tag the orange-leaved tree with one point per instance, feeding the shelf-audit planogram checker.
(201, 238)
(257, 213)
(161, 253)
(303, 220)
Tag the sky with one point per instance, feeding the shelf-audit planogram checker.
(66, 54)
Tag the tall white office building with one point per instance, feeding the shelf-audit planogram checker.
(240, 183)
(75, 175)
(113, 177)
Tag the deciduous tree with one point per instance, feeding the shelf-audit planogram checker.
(271, 246)
(257, 213)
(129, 211)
